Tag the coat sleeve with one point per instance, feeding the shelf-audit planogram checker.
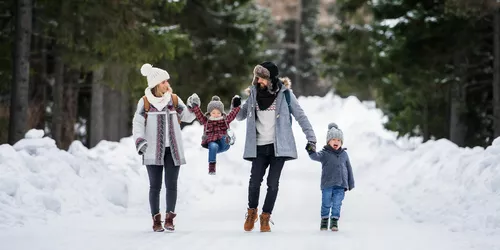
(350, 175)
(242, 113)
(199, 115)
(232, 114)
(185, 114)
(301, 118)
(316, 156)
(139, 126)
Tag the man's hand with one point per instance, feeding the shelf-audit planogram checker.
(311, 146)
(236, 101)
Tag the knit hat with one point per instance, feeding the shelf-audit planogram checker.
(215, 103)
(334, 133)
(154, 75)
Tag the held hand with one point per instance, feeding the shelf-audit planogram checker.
(236, 101)
(311, 146)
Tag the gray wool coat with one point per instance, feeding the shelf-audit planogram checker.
(284, 141)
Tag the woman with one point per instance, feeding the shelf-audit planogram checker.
(157, 135)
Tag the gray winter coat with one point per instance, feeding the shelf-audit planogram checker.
(284, 141)
(336, 168)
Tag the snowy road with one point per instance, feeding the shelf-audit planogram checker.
(369, 220)
(436, 197)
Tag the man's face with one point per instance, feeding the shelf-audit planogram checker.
(263, 83)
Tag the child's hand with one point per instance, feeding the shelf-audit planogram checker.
(311, 146)
(193, 100)
(236, 101)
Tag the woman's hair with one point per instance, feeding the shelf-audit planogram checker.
(156, 90)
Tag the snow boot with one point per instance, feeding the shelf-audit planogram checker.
(324, 224)
(211, 168)
(157, 223)
(334, 224)
(169, 221)
(265, 218)
(250, 219)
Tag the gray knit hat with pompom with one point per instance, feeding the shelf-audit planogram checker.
(334, 133)
(215, 104)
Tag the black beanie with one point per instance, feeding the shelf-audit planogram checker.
(273, 69)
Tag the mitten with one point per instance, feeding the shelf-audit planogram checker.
(236, 101)
(311, 146)
(143, 149)
(193, 100)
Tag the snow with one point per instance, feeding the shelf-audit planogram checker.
(408, 195)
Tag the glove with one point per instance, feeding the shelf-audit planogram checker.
(193, 100)
(143, 149)
(236, 101)
(311, 146)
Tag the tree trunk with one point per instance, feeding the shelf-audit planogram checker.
(425, 123)
(70, 109)
(112, 114)
(125, 116)
(298, 36)
(57, 103)
(458, 129)
(97, 108)
(21, 70)
(496, 75)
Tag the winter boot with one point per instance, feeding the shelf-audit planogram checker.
(157, 223)
(250, 220)
(169, 221)
(324, 224)
(334, 224)
(211, 168)
(265, 218)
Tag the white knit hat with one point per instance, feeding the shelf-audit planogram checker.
(154, 75)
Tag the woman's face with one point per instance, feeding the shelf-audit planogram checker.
(161, 88)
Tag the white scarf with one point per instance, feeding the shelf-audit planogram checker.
(158, 102)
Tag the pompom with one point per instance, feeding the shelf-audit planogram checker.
(146, 69)
(215, 98)
(332, 125)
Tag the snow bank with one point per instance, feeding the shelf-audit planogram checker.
(435, 182)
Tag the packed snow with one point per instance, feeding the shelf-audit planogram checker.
(408, 195)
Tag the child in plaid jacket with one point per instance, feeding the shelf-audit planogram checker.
(216, 123)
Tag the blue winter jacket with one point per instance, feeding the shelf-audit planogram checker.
(336, 167)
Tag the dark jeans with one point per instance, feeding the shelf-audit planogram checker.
(265, 157)
(155, 173)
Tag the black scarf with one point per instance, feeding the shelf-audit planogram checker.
(266, 96)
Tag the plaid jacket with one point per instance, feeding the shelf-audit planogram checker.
(214, 129)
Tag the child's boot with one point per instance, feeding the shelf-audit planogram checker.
(211, 168)
(334, 224)
(324, 224)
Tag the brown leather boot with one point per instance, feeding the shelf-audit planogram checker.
(264, 222)
(250, 219)
(169, 221)
(211, 168)
(157, 223)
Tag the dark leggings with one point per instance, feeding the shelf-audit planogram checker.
(155, 173)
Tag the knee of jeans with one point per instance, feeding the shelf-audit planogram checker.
(213, 146)
(273, 185)
(156, 188)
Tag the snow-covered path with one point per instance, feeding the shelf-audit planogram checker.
(370, 220)
(97, 199)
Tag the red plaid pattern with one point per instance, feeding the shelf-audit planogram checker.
(214, 130)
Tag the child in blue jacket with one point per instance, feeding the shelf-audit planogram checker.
(336, 176)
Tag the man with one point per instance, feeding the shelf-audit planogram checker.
(269, 137)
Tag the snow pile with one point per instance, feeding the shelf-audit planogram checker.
(432, 182)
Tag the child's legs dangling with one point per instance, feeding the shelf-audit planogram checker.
(326, 201)
(338, 194)
(223, 145)
(213, 148)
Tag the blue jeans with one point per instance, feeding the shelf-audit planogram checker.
(332, 198)
(217, 147)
